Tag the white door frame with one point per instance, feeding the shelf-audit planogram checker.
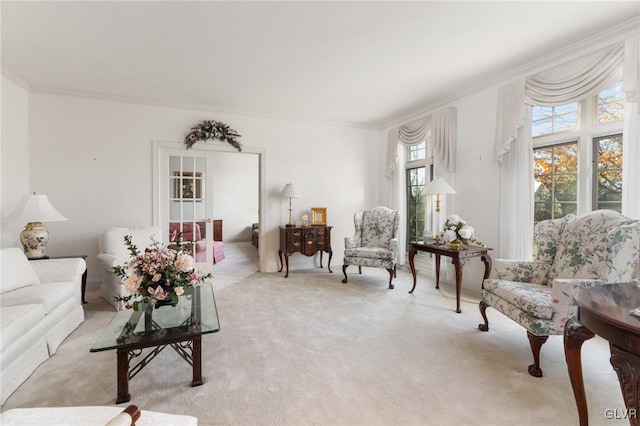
(212, 146)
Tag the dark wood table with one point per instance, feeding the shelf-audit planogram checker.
(457, 254)
(605, 310)
(181, 327)
(307, 240)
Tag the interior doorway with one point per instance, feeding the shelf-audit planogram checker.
(213, 195)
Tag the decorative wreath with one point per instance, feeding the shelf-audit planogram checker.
(211, 129)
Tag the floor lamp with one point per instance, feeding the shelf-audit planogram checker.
(438, 187)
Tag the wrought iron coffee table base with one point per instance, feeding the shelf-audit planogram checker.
(190, 349)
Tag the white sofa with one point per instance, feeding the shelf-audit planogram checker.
(114, 252)
(40, 305)
(89, 416)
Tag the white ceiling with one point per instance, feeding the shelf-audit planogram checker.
(358, 63)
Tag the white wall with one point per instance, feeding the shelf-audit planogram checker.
(235, 193)
(15, 156)
(94, 159)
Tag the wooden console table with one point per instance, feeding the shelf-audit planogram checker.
(605, 311)
(457, 255)
(306, 240)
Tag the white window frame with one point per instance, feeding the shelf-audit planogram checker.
(590, 129)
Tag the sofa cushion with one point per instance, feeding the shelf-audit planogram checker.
(16, 321)
(50, 295)
(16, 270)
(369, 252)
(141, 237)
(534, 299)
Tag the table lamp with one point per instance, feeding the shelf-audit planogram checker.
(438, 187)
(36, 209)
(290, 191)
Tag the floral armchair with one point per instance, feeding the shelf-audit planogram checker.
(574, 253)
(375, 242)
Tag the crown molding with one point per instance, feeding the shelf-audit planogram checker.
(15, 78)
(197, 107)
(614, 34)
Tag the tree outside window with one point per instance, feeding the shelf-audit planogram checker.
(607, 192)
(578, 155)
(556, 181)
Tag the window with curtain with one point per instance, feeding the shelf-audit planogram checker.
(415, 181)
(577, 155)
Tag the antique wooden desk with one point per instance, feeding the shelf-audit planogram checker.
(605, 311)
(457, 255)
(307, 240)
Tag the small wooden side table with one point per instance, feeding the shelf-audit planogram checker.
(458, 256)
(605, 310)
(84, 275)
(307, 240)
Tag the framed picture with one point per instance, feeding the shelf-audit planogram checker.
(187, 185)
(318, 215)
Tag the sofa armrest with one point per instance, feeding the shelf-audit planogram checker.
(109, 261)
(563, 290)
(52, 270)
(128, 417)
(393, 245)
(352, 242)
(520, 271)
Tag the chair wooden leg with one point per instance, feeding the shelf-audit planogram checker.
(390, 278)
(344, 271)
(360, 270)
(483, 311)
(536, 343)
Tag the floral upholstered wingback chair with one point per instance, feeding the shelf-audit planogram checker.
(574, 253)
(375, 242)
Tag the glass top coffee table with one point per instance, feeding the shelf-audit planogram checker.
(180, 327)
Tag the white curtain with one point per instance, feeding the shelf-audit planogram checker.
(560, 85)
(516, 209)
(631, 131)
(445, 134)
(442, 127)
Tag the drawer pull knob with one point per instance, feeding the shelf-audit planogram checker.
(296, 244)
(309, 242)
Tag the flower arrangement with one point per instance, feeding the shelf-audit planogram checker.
(160, 273)
(210, 129)
(456, 229)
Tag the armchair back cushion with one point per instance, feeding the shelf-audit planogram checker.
(16, 270)
(378, 227)
(112, 240)
(547, 234)
(601, 245)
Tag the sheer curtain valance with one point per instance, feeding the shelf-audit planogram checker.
(441, 125)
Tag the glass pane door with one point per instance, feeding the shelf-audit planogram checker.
(188, 206)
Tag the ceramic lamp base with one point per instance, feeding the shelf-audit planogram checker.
(34, 239)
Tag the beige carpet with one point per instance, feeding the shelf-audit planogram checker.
(309, 350)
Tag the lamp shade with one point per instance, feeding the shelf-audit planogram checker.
(38, 208)
(290, 191)
(438, 187)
